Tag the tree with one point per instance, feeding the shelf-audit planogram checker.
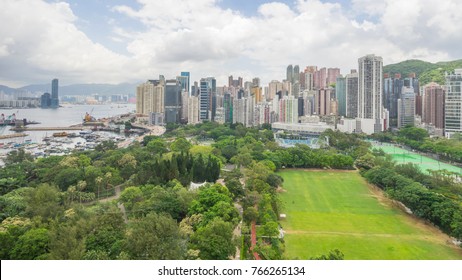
(366, 161)
(157, 146)
(130, 196)
(180, 145)
(106, 145)
(332, 255)
(32, 245)
(155, 237)
(235, 187)
(127, 165)
(44, 202)
(250, 214)
(18, 156)
(413, 133)
(215, 240)
(66, 241)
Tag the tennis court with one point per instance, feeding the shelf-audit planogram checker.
(404, 156)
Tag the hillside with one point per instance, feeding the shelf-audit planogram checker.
(425, 71)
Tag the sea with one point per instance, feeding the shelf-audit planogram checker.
(64, 116)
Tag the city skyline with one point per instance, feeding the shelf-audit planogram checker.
(126, 41)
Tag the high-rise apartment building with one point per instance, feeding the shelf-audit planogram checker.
(288, 109)
(340, 92)
(320, 78)
(256, 93)
(235, 83)
(406, 107)
(309, 78)
(332, 74)
(433, 105)
(374, 118)
(193, 110)
(351, 91)
(453, 103)
(323, 101)
(370, 87)
(273, 88)
(256, 82)
(150, 97)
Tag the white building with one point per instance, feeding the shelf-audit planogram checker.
(453, 103)
(150, 97)
(370, 104)
(288, 110)
(193, 109)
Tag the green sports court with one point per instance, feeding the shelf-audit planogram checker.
(401, 156)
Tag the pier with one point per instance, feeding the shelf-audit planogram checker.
(47, 128)
(14, 135)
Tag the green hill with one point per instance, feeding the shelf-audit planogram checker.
(426, 71)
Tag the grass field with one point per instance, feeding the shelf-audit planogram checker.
(404, 156)
(329, 210)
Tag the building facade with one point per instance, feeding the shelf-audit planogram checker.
(433, 105)
(370, 91)
(453, 103)
(150, 97)
(406, 107)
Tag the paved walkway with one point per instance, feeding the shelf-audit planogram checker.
(253, 240)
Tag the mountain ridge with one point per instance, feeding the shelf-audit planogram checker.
(76, 89)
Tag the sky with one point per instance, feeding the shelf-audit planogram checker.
(117, 41)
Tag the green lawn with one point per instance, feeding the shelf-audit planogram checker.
(329, 210)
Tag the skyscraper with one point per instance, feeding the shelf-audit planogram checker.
(332, 74)
(208, 87)
(370, 87)
(296, 74)
(391, 93)
(172, 101)
(273, 88)
(340, 92)
(184, 81)
(453, 103)
(45, 100)
(433, 105)
(150, 97)
(235, 83)
(320, 78)
(406, 107)
(54, 94)
(289, 73)
(351, 90)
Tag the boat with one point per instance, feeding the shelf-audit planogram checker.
(85, 132)
(60, 134)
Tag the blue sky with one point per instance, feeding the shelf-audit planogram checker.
(114, 41)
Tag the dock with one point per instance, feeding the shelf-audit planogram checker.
(47, 128)
(14, 135)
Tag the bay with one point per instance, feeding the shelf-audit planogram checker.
(64, 116)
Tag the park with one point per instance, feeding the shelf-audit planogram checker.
(327, 210)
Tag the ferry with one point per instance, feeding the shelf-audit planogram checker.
(60, 134)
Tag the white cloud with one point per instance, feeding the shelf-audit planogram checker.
(45, 43)
(199, 36)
